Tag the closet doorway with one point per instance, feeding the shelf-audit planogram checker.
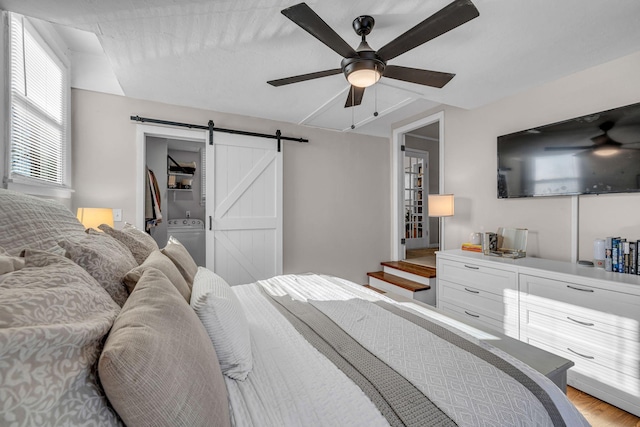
(178, 166)
(174, 160)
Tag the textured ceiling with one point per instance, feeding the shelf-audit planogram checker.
(218, 55)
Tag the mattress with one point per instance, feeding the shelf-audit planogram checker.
(293, 383)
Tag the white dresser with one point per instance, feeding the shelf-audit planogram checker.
(584, 314)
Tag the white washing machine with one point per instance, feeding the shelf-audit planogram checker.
(189, 232)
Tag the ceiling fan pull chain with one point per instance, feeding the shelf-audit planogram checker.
(375, 107)
(353, 125)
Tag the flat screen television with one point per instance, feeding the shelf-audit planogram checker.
(594, 154)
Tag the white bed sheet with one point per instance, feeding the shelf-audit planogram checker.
(291, 383)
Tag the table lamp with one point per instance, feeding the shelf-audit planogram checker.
(93, 217)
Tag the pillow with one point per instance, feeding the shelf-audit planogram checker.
(106, 259)
(139, 235)
(158, 366)
(53, 320)
(221, 314)
(9, 263)
(181, 258)
(157, 260)
(33, 222)
(138, 242)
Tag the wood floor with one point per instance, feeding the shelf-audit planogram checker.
(599, 413)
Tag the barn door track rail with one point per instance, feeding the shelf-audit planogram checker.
(211, 128)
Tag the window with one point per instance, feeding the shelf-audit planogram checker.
(39, 104)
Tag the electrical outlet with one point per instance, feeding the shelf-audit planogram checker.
(188, 214)
(117, 215)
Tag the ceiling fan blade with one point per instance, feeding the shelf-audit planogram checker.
(415, 75)
(574, 147)
(309, 21)
(447, 18)
(355, 96)
(304, 77)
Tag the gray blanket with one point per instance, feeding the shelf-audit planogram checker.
(398, 399)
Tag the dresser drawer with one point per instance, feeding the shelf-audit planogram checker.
(595, 304)
(478, 300)
(581, 321)
(615, 378)
(473, 316)
(596, 347)
(478, 276)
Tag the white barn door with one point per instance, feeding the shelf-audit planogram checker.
(244, 208)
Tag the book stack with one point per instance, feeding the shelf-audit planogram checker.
(471, 247)
(621, 255)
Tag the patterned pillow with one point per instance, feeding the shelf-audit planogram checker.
(53, 320)
(139, 243)
(158, 366)
(159, 261)
(181, 258)
(102, 256)
(222, 316)
(32, 222)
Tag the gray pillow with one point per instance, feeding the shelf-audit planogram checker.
(181, 258)
(106, 259)
(53, 320)
(32, 222)
(138, 242)
(159, 261)
(158, 366)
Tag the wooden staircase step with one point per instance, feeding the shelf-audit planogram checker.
(418, 270)
(407, 284)
(380, 291)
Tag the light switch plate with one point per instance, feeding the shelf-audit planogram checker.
(117, 215)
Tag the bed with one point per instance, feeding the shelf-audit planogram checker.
(105, 328)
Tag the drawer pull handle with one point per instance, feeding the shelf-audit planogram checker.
(472, 267)
(471, 314)
(581, 355)
(581, 323)
(579, 289)
(472, 291)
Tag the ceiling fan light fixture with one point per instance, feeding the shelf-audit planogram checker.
(363, 72)
(606, 151)
(364, 77)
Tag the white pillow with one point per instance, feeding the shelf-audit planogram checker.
(221, 314)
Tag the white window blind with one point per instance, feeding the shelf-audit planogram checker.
(39, 96)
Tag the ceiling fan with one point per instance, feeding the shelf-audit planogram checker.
(363, 66)
(603, 144)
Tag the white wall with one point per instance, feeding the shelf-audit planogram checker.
(471, 163)
(336, 188)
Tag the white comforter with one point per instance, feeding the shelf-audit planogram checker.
(292, 384)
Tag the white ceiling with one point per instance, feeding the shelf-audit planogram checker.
(218, 54)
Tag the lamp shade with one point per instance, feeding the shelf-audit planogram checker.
(440, 205)
(93, 217)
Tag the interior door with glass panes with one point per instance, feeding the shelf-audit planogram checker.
(416, 231)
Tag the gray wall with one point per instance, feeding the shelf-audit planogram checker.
(336, 188)
(471, 163)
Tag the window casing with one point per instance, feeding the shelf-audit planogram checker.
(39, 98)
